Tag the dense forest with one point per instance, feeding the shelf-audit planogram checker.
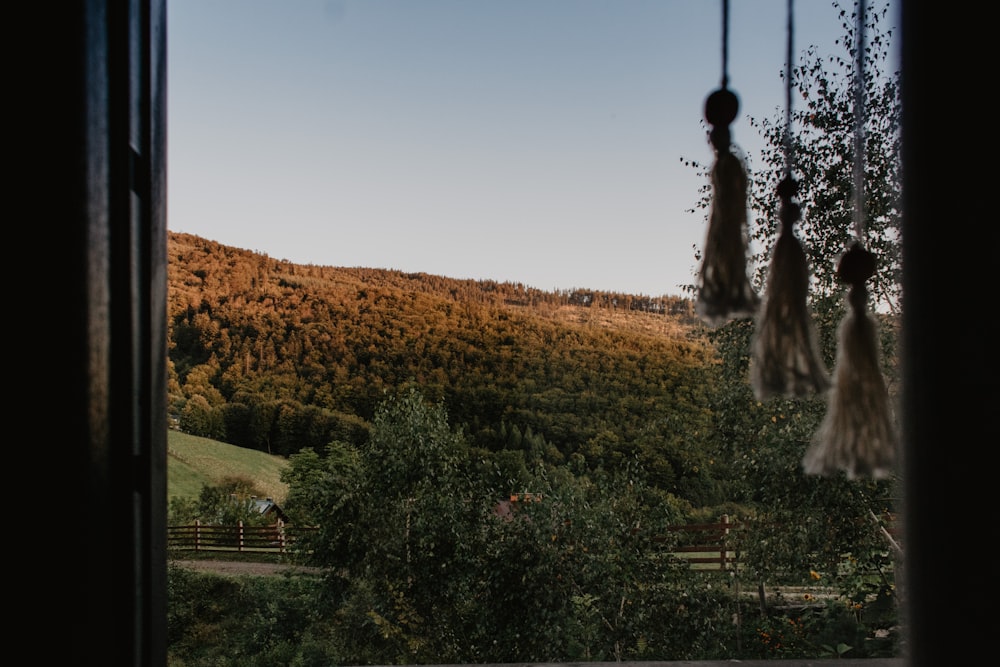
(279, 357)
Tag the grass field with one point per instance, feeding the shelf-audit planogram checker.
(194, 462)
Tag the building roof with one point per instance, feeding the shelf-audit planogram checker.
(268, 506)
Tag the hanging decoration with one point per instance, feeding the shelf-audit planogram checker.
(857, 435)
(724, 291)
(785, 358)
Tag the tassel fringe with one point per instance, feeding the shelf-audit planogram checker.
(857, 434)
(786, 360)
(725, 292)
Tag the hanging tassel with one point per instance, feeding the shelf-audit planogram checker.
(785, 358)
(725, 291)
(857, 434)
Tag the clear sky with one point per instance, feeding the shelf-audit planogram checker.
(530, 141)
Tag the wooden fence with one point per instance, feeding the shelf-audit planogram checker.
(275, 538)
(706, 546)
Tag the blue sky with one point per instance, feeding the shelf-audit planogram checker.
(531, 141)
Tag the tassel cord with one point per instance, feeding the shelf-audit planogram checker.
(859, 125)
(789, 30)
(725, 291)
(785, 357)
(857, 435)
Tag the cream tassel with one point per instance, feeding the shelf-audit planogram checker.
(725, 292)
(785, 358)
(857, 434)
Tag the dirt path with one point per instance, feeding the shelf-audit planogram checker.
(241, 568)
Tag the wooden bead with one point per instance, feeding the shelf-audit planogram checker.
(856, 265)
(721, 107)
(788, 188)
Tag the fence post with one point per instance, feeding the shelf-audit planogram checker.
(239, 526)
(197, 534)
(724, 563)
(281, 536)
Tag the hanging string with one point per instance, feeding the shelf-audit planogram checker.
(789, 54)
(725, 50)
(724, 291)
(785, 357)
(859, 125)
(857, 434)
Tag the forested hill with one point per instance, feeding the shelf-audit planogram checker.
(279, 356)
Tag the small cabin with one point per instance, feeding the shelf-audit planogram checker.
(268, 508)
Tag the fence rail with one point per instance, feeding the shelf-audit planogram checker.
(275, 538)
(705, 546)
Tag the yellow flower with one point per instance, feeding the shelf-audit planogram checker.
(814, 574)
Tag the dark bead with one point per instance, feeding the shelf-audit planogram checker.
(856, 265)
(721, 107)
(788, 188)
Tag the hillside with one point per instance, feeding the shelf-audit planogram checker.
(194, 462)
(275, 356)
